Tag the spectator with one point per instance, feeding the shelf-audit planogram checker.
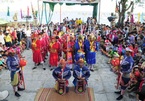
(8, 39)
(28, 38)
(2, 37)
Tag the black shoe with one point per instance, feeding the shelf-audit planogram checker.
(117, 92)
(92, 70)
(34, 67)
(38, 64)
(44, 68)
(20, 89)
(120, 97)
(17, 94)
(51, 69)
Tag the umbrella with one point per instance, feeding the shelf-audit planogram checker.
(2, 21)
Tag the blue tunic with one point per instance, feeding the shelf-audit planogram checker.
(76, 73)
(12, 63)
(57, 73)
(78, 55)
(90, 55)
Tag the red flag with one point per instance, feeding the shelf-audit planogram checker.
(27, 11)
(21, 13)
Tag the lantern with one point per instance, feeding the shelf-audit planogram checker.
(115, 62)
(22, 62)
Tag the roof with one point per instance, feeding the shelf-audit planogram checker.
(72, 1)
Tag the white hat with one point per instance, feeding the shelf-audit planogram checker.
(128, 49)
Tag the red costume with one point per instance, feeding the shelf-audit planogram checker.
(68, 51)
(36, 48)
(43, 48)
(54, 48)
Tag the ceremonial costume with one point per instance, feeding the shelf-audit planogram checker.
(80, 72)
(79, 48)
(53, 49)
(62, 73)
(43, 45)
(90, 49)
(68, 49)
(13, 65)
(36, 49)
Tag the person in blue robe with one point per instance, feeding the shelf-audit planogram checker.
(62, 73)
(90, 51)
(79, 49)
(80, 72)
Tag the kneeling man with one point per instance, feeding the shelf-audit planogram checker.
(81, 74)
(61, 75)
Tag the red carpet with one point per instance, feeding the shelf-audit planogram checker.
(49, 94)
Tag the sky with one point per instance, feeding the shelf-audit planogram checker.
(106, 8)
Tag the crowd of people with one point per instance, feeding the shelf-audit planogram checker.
(74, 42)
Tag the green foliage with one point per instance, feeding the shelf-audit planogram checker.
(137, 1)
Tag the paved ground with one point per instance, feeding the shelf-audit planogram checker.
(102, 81)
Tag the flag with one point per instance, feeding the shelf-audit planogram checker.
(27, 11)
(15, 18)
(21, 13)
(116, 8)
(138, 17)
(33, 11)
(8, 12)
(142, 17)
(36, 13)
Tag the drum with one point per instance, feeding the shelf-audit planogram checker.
(81, 86)
(61, 87)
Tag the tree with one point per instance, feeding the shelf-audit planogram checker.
(122, 7)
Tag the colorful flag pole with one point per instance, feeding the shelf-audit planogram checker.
(8, 12)
(33, 11)
(138, 17)
(142, 15)
(28, 11)
(21, 13)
